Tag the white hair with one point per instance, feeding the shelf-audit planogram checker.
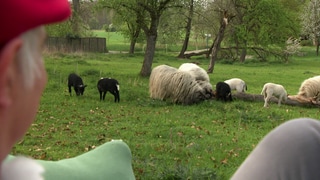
(28, 56)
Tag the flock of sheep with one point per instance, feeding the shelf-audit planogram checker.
(309, 92)
(190, 84)
(104, 85)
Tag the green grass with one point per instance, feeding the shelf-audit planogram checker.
(203, 141)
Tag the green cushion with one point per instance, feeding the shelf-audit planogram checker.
(111, 160)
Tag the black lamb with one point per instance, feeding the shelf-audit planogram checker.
(223, 91)
(111, 85)
(77, 83)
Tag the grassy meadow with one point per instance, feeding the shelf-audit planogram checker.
(208, 140)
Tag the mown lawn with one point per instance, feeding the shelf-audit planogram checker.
(202, 141)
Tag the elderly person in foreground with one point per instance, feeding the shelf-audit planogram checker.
(289, 152)
(22, 81)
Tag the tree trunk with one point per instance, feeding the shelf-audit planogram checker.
(151, 31)
(216, 47)
(243, 54)
(132, 46)
(210, 50)
(148, 57)
(76, 17)
(134, 40)
(317, 44)
(217, 42)
(292, 100)
(188, 32)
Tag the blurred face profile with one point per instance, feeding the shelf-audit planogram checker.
(29, 81)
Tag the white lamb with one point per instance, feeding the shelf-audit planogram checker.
(236, 84)
(277, 90)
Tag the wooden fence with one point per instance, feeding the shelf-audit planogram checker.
(92, 44)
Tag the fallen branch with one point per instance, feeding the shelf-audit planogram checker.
(292, 100)
(189, 54)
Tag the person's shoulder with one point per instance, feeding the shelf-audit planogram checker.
(21, 168)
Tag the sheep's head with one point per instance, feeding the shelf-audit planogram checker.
(80, 89)
(196, 97)
(214, 93)
(207, 87)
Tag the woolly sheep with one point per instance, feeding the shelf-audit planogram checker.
(200, 75)
(236, 84)
(77, 83)
(169, 83)
(310, 88)
(223, 92)
(108, 84)
(272, 89)
(196, 71)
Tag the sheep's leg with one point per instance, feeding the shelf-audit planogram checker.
(104, 95)
(266, 100)
(118, 96)
(69, 90)
(115, 96)
(100, 92)
(239, 89)
(279, 100)
(230, 96)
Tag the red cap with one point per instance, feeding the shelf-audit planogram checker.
(18, 16)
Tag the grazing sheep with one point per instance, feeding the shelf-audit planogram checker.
(236, 84)
(200, 75)
(178, 86)
(111, 85)
(271, 89)
(77, 83)
(310, 88)
(223, 92)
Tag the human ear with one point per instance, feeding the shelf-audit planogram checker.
(8, 55)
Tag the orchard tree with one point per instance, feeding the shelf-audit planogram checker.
(150, 25)
(311, 22)
(147, 15)
(77, 25)
(59, 29)
(188, 25)
(261, 25)
(125, 18)
(76, 17)
(225, 18)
